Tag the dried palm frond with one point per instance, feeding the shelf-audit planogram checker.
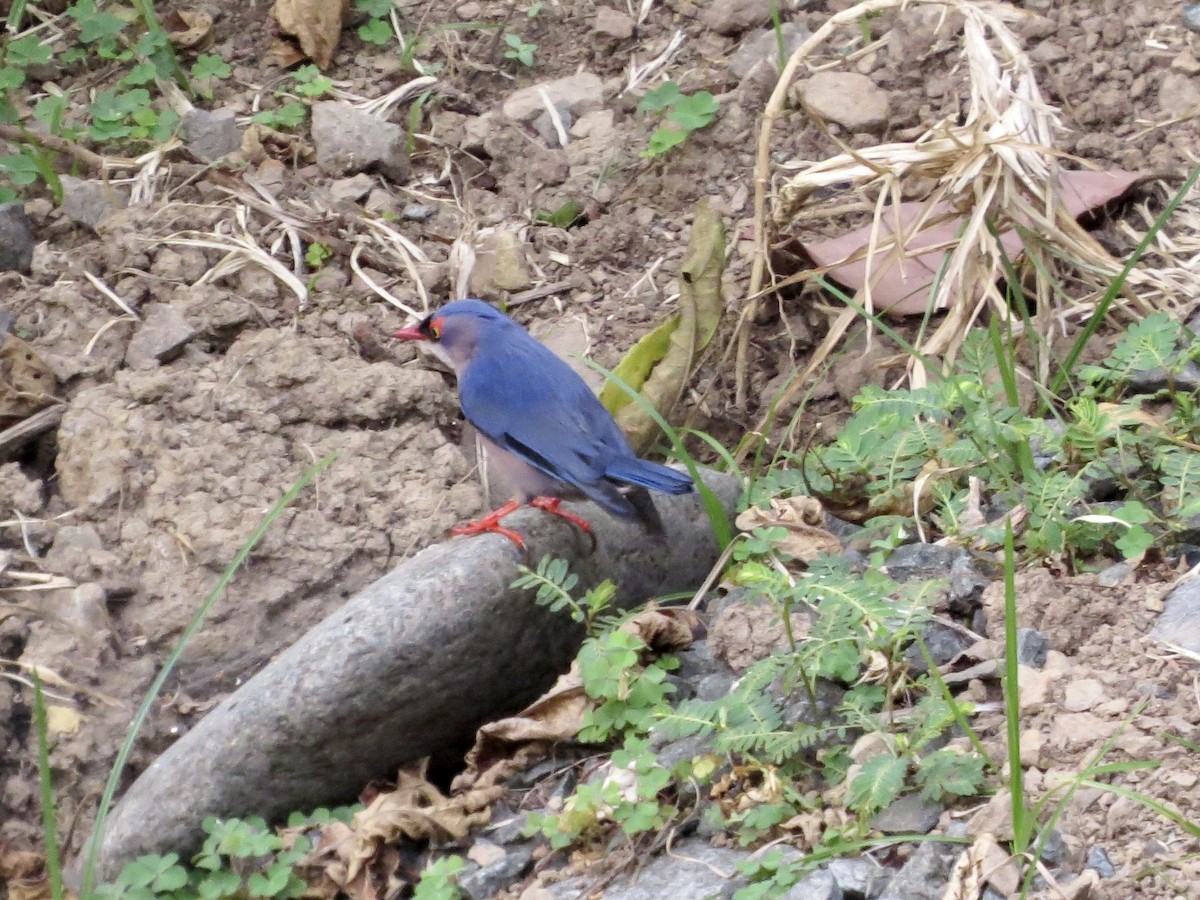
(992, 169)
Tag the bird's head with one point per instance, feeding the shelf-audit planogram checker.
(453, 332)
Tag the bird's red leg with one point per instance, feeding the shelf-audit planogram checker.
(551, 505)
(491, 523)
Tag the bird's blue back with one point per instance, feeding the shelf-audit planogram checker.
(527, 400)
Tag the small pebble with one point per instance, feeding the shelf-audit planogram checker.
(1097, 859)
(418, 212)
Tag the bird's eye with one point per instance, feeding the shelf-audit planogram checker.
(435, 331)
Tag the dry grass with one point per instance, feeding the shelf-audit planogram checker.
(994, 165)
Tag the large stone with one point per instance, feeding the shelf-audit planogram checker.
(579, 93)
(16, 239)
(87, 202)
(407, 668)
(846, 98)
(210, 135)
(735, 16)
(1179, 623)
(349, 140)
(161, 337)
(694, 868)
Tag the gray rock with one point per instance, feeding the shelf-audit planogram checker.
(925, 875)
(735, 16)
(160, 338)
(848, 99)
(820, 885)
(764, 45)
(860, 877)
(967, 584)
(1032, 647)
(578, 94)
(910, 814)
(1150, 381)
(210, 136)
(349, 140)
(922, 562)
(691, 871)
(353, 188)
(87, 202)
(1048, 53)
(16, 239)
(1191, 17)
(613, 23)
(490, 880)
(943, 643)
(413, 663)
(417, 212)
(1179, 622)
(544, 125)
(1098, 859)
(715, 686)
(1113, 575)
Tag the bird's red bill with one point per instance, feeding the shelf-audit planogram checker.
(412, 333)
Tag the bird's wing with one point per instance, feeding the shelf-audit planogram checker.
(531, 403)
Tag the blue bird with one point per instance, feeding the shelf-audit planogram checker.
(541, 425)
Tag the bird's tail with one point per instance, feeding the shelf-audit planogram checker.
(645, 510)
(643, 473)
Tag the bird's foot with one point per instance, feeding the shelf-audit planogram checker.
(491, 524)
(552, 506)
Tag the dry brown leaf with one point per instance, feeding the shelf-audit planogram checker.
(510, 744)
(188, 28)
(555, 716)
(902, 286)
(26, 382)
(316, 24)
(24, 874)
(664, 630)
(803, 517)
(415, 810)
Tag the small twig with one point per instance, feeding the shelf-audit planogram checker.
(94, 161)
(537, 293)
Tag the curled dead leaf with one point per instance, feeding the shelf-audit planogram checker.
(188, 28)
(316, 24)
(660, 365)
(803, 517)
(24, 874)
(664, 630)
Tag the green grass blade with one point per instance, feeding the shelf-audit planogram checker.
(49, 819)
(114, 776)
(1023, 822)
(1118, 283)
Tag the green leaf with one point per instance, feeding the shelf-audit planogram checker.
(11, 78)
(570, 213)
(637, 364)
(1134, 542)
(375, 31)
(94, 25)
(877, 784)
(376, 9)
(662, 140)
(947, 771)
(27, 51)
(142, 73)
(662, 97)
(209, 65)
(221, 883)
(693, 110)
